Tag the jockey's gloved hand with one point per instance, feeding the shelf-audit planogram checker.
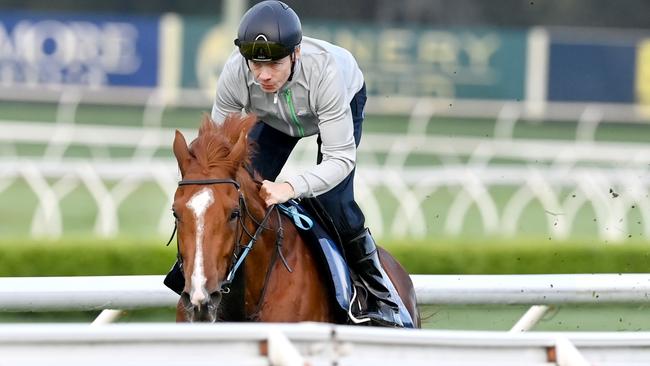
(272, 192)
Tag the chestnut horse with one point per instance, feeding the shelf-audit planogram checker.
(219, 214)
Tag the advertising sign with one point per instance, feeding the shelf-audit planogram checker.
(643, 73)
(84, 50)
(467, 63)
(582, 71)
(461, 63)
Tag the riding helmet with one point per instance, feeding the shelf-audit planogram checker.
(268, 31)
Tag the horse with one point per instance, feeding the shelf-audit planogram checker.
(218, 209)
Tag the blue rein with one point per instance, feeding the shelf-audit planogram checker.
(247, 248)
(300, 220)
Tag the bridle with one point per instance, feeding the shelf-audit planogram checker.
(240, 251)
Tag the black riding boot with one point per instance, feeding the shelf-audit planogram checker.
(175, 279)
(362, 257)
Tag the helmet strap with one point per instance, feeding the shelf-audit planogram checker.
(293, 63)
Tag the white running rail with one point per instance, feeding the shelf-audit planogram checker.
(310, 344)
(130, 292)
(284, 344)
(565, 178)
(586, 168)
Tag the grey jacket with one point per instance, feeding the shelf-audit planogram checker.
(316, 100)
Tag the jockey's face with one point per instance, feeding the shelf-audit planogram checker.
(272, 75)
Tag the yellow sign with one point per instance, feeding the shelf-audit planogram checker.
(213, 52)
(643, 76)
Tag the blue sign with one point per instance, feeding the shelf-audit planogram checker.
(591, 72)
(88, 50)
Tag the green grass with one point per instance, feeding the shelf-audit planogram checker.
(76, 256)
(571, 318)
(138, 215)
(127, 316)
(444, 126)
(27, 111)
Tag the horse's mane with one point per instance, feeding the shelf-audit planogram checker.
(223, 145)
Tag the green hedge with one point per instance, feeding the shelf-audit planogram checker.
(128, 256)
(80, 257)
(531, 257)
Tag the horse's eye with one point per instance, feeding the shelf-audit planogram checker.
(234, 214)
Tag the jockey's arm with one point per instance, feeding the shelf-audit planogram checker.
(336, 131)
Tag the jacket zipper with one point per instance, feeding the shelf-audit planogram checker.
(288, 96)
(282, 115)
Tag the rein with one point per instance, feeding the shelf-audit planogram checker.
(238, 258)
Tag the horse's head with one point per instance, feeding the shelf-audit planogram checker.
(208, 206)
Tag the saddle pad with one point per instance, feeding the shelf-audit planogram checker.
(330, 254)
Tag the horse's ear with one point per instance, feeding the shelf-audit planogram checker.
(181, 152)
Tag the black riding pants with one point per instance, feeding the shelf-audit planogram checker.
(273, 151)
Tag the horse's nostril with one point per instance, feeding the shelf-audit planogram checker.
(215, 297)
(206, 311)
(185, 299)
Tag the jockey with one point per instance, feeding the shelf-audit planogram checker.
(300, 86)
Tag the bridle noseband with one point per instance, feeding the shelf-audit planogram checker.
(204, 182)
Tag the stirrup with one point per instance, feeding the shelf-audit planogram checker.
(352, 317)
(373, 318)
(387, 318)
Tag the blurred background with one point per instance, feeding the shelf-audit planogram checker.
(500, 136)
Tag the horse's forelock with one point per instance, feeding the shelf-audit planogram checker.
(236, 124)
(207, 125)
(215, 143)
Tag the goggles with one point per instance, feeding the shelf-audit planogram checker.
(262, 50)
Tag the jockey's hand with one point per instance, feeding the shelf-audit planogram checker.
(272, 192)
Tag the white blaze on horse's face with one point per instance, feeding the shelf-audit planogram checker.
(199, 204)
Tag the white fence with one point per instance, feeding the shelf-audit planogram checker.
(565, 178)
(129, 292)
(309, 344)
(317, 344)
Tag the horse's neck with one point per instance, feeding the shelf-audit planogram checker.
(264, 267)
(259, 260)
(261, 265)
